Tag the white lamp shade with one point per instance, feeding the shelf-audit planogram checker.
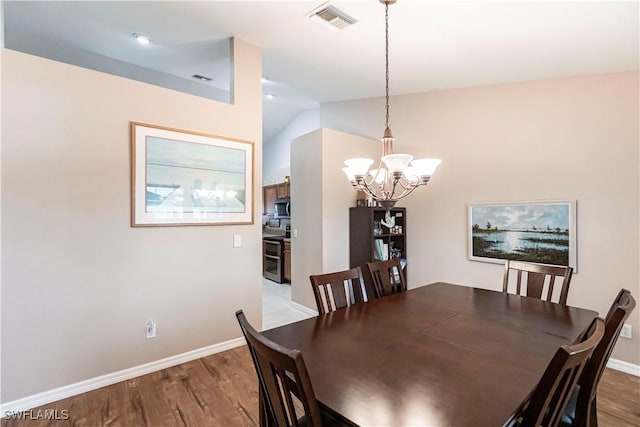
(425, 167)
(347, 172)
(358, 166)
(397, 162)
(378, 174)
(411, 173)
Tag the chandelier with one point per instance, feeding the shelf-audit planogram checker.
(397, 175)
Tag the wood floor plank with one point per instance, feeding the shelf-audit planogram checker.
(619, 398)
(222, 390)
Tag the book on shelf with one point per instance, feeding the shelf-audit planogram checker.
(380, 250)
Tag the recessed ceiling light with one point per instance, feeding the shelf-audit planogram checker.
(202, 78)
(265, 79)
(141, 39)
(269, 95)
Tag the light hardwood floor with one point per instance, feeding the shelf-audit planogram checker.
(221, 390)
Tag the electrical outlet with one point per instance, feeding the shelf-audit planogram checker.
(237, 240)
(150, 329)
(625, 332)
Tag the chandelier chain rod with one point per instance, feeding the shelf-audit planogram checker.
(386, 57)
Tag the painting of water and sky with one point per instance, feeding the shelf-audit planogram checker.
(191, 177)
(541, 232)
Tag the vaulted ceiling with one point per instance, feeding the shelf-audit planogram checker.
(434, 45)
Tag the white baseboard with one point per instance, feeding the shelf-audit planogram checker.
(304, 308)
(620, 365)
(56, 394)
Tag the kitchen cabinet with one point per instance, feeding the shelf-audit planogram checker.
(269, 196)
(370, 240)
(287, 261)
(283, 190)
(272, 192)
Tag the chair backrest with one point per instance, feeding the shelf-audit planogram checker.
(548, 400)
(387, 276)
(338, 290)
(619, 312)
(536, 275)
(281, 371)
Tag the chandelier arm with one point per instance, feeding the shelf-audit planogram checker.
(407, 192)
(375, 191)
(410, 185)
(368, 190)
(393, 188)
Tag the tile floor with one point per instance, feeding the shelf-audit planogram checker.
(276, 305)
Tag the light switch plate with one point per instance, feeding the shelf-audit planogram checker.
(237, 240)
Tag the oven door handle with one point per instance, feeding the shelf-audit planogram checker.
(272, 256)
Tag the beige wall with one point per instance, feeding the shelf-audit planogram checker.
(78, 283)
(573, 138)
(306, 217)
(321, 198)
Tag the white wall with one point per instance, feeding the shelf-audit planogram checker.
(78, 283)
(573, 138)
(322, 197)
(277, 152)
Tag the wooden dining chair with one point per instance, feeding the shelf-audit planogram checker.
(536, 278)
(338, 290)
(387, 276)
(283, 379)
(582, 411)
(546, 404)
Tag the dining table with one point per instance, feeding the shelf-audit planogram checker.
(436, 355)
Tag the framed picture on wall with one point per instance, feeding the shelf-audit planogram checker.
(181, 177)
(541, 232)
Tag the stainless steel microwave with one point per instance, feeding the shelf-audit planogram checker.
(282, 208)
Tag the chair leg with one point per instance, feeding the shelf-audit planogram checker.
(593, 414)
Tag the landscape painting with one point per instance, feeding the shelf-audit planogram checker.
(187, 178)
(540, 232)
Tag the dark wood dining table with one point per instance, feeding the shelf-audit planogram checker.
(437, 355)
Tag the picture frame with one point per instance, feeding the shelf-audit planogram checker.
(540, 232)
(181, 178)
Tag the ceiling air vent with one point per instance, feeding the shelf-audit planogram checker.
(332, 17)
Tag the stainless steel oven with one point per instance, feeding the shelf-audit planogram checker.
(272, 259)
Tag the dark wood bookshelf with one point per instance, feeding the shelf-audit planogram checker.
(362, 238)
